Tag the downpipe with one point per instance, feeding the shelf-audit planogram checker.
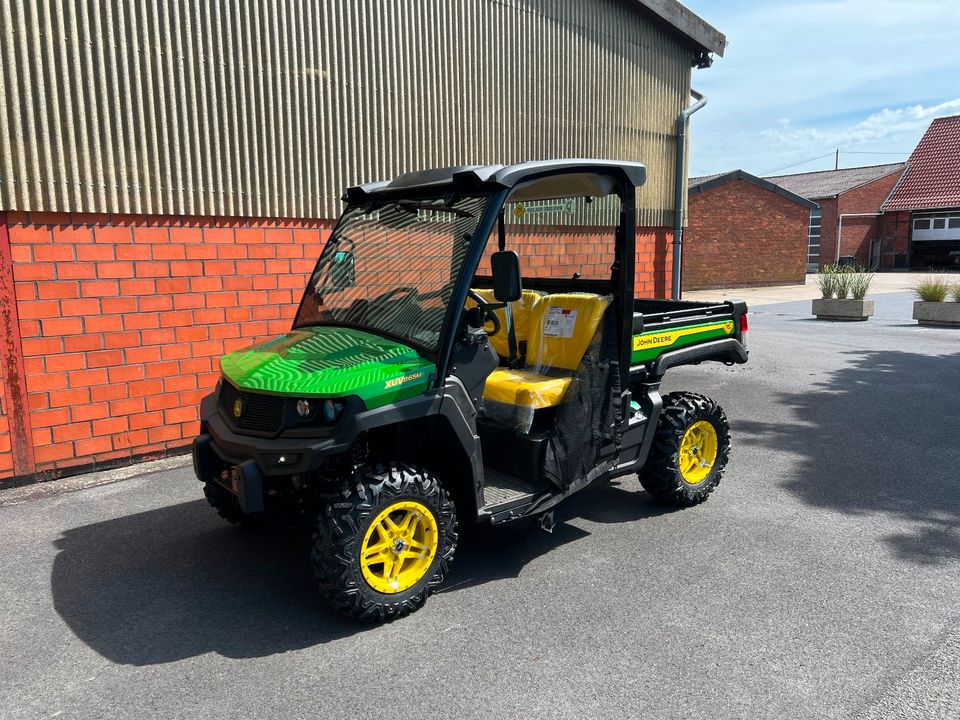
(678, 199)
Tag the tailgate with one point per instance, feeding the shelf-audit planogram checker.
(665, 330)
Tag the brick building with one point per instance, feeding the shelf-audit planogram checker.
(849, 208)
(743, 231)
(921, 220)
(167, 181)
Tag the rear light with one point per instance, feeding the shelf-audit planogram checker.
(744, 327)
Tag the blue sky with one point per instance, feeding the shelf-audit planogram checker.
(799, 79)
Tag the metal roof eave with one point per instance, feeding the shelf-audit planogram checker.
(687, 23)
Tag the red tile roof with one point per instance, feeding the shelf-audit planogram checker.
(932, 179)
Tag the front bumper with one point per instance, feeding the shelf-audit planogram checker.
(243, 480)
(251, 461)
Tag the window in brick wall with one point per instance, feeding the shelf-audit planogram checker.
(813, 240)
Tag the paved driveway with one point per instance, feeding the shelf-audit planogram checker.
(822, 580)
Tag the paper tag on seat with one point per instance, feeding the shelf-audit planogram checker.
(560, 322)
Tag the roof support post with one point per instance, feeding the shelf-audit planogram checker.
(678, 198)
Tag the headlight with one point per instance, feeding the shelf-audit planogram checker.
(331, 411)
(325, 411)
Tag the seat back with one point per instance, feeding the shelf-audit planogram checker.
(521, 311)
(561, 329)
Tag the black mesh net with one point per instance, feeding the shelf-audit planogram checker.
(586, 419)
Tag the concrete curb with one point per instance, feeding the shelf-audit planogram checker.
(37, 491)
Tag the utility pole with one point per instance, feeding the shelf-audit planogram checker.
(836, 163)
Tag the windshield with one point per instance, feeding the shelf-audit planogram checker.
(390, 268)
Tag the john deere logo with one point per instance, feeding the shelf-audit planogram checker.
(237, 408)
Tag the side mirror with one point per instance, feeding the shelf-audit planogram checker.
(343, 272)
(505, 267)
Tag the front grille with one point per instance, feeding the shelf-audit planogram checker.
(260, 413)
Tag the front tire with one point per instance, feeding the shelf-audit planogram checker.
(690, 450)
(385, 544)
(226, 505)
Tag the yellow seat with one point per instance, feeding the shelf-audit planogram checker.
(520, 310)
(525, 388)
(561, 328)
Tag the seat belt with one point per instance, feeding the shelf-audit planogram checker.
(512, 361)
(511, 336)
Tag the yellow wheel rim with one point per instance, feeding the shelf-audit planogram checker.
(399, 547)
(698, 452)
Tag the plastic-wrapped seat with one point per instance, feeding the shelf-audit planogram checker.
(562, 326)
(519, 310)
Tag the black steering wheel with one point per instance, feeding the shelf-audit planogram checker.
(488, 310)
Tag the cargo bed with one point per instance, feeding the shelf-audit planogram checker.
(667, 333)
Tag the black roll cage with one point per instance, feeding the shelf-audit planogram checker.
(499, 182)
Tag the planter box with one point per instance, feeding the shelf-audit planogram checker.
(833, 309)
(942, 314)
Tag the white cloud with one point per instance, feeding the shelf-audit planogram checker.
(876, 128)
(801, 77)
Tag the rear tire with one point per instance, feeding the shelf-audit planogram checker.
(690, 450)
(352, 527)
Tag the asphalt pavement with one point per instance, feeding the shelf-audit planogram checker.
(821, 580)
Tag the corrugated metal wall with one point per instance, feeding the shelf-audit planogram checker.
(270, 108)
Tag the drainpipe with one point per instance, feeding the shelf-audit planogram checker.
(678, 199)
(840, 228)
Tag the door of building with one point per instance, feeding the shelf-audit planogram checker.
(875, 253)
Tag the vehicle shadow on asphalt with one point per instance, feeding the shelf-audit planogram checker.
(177, 582)
(488, 553)
(881, 435)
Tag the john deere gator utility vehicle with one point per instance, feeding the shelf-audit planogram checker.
(468, 348)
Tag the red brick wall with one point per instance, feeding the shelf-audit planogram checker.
(560, 251)
(654, 265)
(828, 230)
(741, 235)
(857, 231)
(895, 237)
(122, 319)
(113, 325)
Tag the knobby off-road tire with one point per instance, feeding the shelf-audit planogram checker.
(347, 532)
(226, 505)
(683, 435)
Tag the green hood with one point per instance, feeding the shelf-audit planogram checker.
(326, 361)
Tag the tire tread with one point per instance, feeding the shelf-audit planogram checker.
(660, 475)
(342, 525)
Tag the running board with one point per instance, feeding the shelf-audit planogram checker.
(505, 497)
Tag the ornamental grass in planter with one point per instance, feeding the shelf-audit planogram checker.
(844, 291)
(938, 302)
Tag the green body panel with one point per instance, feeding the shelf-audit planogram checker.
(650, 345)
(327, 361)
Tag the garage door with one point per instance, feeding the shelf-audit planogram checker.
(937, 227)
(936, 241)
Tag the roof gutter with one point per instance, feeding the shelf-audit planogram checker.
(678, 199)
